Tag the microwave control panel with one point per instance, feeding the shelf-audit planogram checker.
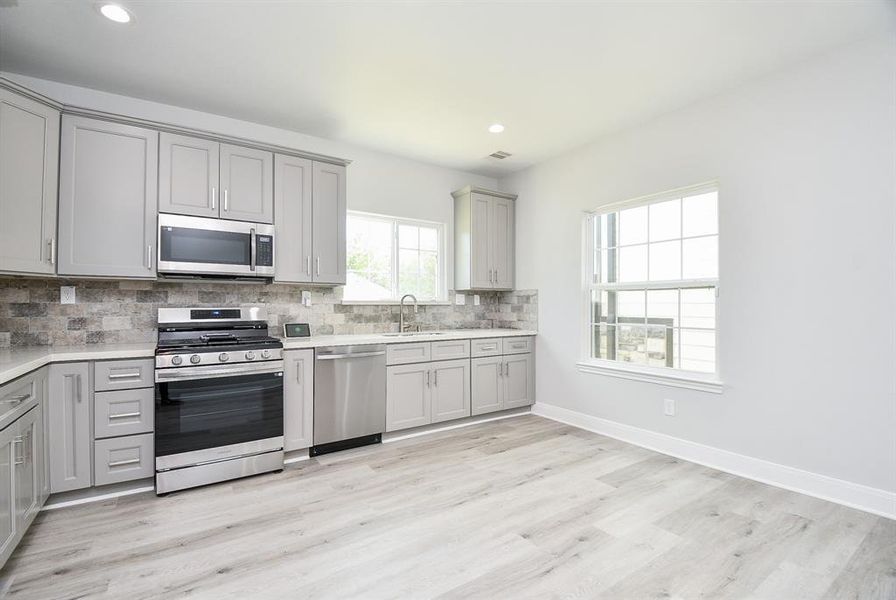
(264, 250)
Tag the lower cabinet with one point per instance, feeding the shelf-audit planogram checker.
(71, 454)
(21, 477)
(502, 382)
(123, 459)
(298, 399)
(424, 393)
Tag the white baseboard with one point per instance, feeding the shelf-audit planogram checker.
(862, 497)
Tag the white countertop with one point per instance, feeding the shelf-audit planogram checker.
(317, 341)
(18, 361)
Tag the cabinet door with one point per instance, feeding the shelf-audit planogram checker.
(407, 396)
(70, 440)
(298, 399)
(292, 207)
(29, 161)
(450, 390)
(481, 245)
(328, 214)
(486, 384)
(247, 184)
(501, 235)
(519, 380)
(188, 175)
(107, 199)
(25, 464)
(8, 525)
(43, 460)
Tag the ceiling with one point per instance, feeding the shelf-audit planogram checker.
(425, 79)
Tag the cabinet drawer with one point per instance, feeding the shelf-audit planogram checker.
(123, 374)
(450, 350)
(518, 345)
(17, 397)
(123, 412)
(123, 459)
(402, 354)
(486, 347)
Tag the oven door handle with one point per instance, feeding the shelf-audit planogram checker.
(215, 372)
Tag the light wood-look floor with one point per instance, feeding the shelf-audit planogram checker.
(519, 508)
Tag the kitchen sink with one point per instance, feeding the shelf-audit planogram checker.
(404, 333)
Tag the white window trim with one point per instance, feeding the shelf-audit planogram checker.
(442, 297)
(704, 382)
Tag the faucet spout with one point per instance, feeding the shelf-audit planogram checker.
(401, 326)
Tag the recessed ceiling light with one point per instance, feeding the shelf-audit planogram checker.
(495, 128)
(115, 12)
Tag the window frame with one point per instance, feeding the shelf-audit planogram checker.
(441, 258)
(669, 376)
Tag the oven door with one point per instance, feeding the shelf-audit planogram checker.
(199, 246)
(206, 414)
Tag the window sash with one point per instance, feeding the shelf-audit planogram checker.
(396, 222)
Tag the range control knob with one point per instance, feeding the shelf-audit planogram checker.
(223, 357)
(176, 360)
(250, 355)
(265, 353)
(195, 359)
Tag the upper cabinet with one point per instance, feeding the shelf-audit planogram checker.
(311, 213)
(29, 161)
(205, 178)
(188, 175)
(483, 239)
(107, 199)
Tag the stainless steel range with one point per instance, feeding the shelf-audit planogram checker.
(219, 396)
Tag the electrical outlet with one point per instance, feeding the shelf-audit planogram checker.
(306, 298)
(460, 299)
(475, 299)
(67, 294)
(669, 407)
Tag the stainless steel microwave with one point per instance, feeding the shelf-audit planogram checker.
(196, 246)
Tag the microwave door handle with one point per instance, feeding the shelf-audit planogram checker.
(252, 249)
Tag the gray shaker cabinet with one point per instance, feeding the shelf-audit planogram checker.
(486, 384)
(70, 457)
(188, 175)
(8, 525)
(29, 165)
(247, 184)
(450, 390)
(328, 223)
(292, 207)
(483, 239)
(298, 399)
(408, 396)
(519, 380)
(107, 199)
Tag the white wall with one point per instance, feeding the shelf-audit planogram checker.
(805, 161)
(377, 182)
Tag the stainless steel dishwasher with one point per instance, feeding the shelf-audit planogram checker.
(349, 397)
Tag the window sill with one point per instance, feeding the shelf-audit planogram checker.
(396, 303)
(692, 381)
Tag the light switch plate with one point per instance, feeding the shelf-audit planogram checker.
(669, 407)
(306, 298)
(460, 299)
(475, 299)
(67, 294)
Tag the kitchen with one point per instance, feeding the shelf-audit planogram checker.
(238, 347)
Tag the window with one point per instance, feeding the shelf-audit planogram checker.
(653, 278)
(389, 257)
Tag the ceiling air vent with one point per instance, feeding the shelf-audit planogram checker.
(500, 154)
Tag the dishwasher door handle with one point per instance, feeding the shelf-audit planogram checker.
(355, 355)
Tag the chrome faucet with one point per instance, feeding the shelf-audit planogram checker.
(401, 325)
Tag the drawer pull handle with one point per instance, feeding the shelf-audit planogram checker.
(125, 415)
(17, 399)
(124, 375)
(122, 463)
(489, 348)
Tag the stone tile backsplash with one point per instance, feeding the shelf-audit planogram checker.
(125, 311)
